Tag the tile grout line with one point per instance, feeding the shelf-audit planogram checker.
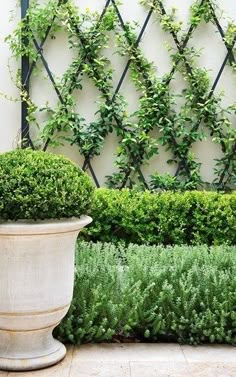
(185, 358)
(184, 354)
(130, 373)
(72, 357)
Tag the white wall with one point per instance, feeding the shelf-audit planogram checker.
(9, 111)
(153, 45)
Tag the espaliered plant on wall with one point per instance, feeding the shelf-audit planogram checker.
(89, 35)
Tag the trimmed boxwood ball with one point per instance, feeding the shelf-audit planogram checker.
(40, 185)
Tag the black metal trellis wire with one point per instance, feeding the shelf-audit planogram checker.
(27, 70)
(25, 137)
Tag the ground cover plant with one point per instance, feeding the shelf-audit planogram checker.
(152, 293)
(163, 218)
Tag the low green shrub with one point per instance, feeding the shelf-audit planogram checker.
(163, 218)
(39, 185)
(182, 293)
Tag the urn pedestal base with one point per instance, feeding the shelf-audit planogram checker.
(29, 350)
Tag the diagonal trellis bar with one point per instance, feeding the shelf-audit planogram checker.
(221, 31)
(72, 88)
(25, 64)
(40, 46)
(229, 57)
(109, 100)
(28, 70)
(87, 162)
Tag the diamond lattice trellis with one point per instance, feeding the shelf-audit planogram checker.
(153, 90)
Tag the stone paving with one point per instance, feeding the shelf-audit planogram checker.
(141, 360)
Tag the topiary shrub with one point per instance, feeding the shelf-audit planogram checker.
(39, 185)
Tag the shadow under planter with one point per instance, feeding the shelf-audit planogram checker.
(36, 280)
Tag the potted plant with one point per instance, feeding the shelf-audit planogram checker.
(43, 200)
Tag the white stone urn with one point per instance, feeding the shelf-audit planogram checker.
(36, 287)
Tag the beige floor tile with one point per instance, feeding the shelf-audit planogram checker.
(213, 353)
(130, 352)
(62, 369)
(82, 368)
(159, 369)
(212, 369)
(3, 374)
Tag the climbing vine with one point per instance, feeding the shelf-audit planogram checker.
(179, 127)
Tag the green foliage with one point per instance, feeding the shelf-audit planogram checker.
(166, 182)
(180, 120)
(189, 217)
(39, 185)
(184, 294)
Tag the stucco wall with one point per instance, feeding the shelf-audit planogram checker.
(9, 111)
(213, 53)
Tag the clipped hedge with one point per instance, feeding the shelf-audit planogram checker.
(182, 293)
(163, 218)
